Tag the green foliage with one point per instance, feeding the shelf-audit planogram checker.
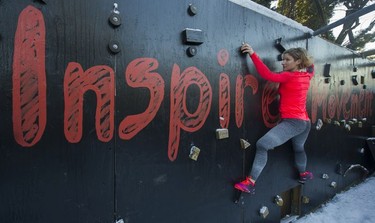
(317, 13)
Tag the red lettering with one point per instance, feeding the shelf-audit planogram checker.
(139, 73)
(223, 57)
(337, 107)
(361, 109)
(29, 94)
(367, 108)
(340, 105)
(319, 98)
(99, 79)
(180, 117)
(354, 107)
(250, 81)
(268, 97)
(224, 100)
(29, 78)
(332, 106)
(239, 101)
(345, 97)
(224, 90)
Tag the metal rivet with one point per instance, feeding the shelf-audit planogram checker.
(192, 10)
(191, 51)
(115, 19)
(114, 46)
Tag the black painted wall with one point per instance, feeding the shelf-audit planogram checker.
(136, 178)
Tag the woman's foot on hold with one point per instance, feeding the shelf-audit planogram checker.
(246, 186)
(305, 176)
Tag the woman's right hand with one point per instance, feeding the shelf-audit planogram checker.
(246, 48)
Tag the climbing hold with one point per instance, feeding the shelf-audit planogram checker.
(194, 153)
(222, 133)
(244, 144)
(319, 124)
(264, 212)
(305, 199)
(333, 184)
(279, 201)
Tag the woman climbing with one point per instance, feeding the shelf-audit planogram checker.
(294, 83)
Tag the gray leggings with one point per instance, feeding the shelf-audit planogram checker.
(295, 129)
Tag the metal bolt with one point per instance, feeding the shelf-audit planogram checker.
(193, 10)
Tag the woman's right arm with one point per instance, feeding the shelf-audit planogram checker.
(265, 72)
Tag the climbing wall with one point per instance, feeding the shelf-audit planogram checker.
(140, 111)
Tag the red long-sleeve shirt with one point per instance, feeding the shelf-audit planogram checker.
(293, 88)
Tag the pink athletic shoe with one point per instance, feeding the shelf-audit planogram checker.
(246, 186)
(305, 176)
